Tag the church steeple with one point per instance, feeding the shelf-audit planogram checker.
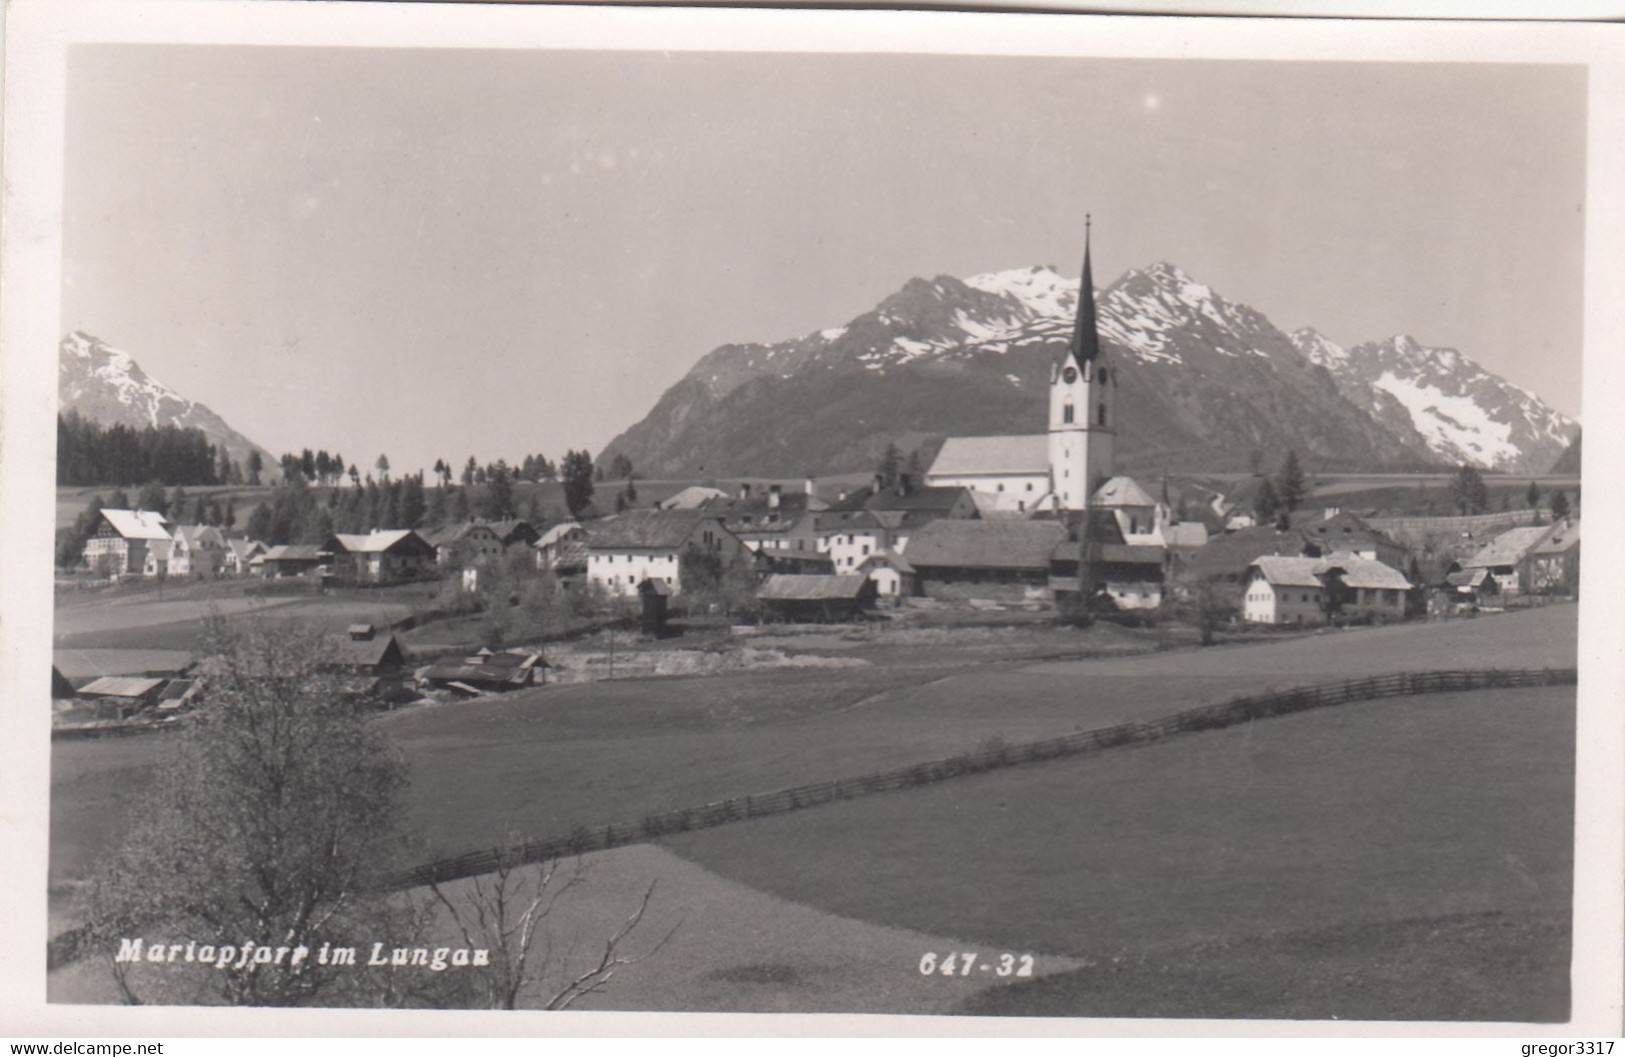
(1082, 416)
(1085, 338)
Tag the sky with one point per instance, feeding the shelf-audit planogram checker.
(436, 253)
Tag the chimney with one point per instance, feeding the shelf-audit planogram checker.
(1333, 511)
(773, 493)
(744, 489)
(880, 484)
(811, 486)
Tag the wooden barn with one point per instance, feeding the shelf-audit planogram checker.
(820, 599)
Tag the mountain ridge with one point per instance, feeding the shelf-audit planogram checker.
(1208, 384)
(106, 385)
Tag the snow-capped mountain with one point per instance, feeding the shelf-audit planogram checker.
(1207, 383)
(106, 385)
(1444, 401)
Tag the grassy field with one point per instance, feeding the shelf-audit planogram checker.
(1403, 858)
(547, 760)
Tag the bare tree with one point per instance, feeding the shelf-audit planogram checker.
(273, 809)
(507, 913)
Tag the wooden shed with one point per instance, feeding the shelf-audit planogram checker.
(800, 598)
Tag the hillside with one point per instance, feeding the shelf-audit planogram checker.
(1207, 385)
(107, 386)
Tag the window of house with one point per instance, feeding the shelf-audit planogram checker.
(1066, 413)
(1029, 486)
(865, 548)
(1001, 486)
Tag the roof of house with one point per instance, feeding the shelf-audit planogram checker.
(957, 543)
(1508, 548)
(649, 529)
(797, 587)
(295, 552)
(1365, 572)
(558, 532)
(477, 673)
(1283, 571)
(507, 530)
(693, 496)
(1131, 553)
(365, 652)
(121, 686)
(1470, 578)
(915, 497)
(1185, 534)
(1565, 535)
(177, 690)
(890, 557)
(196, 535)
(1123, 491)
(959, 456)
(242, 548)
(447, 534)
(378, 541)
(137, 524)
(1229, 553)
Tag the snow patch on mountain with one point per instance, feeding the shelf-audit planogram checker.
(1452, 425)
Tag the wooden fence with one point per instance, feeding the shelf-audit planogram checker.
(1206, 717)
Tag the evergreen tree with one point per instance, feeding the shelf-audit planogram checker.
(498, 493)
(1531, 498)
(1560, 505)
(355, 476)
(469, 469)
(152, 497)
(577, 471)
(1265, 503)
(413, 504)
(620, 468)
(457, 510)
(119, 500)
(382, 466)
(1468, 492)
(256, 466)
(631, 492)
(887, 468)
(436, 511)
(1289, 483)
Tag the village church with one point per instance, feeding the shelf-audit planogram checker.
(1070, 468)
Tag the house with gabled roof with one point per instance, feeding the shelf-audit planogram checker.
(382, 555)
(293, 559)
(1300, 590)
(1552, 565)
(637, 545)
(239, 556)
(984, 559)
(118, 546)
(1504, 556)
(198, 551)
(465, 543)
(788, 596)
(157, 562)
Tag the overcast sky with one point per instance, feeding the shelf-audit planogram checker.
(443, 253)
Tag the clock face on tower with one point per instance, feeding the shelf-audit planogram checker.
(1069, 375)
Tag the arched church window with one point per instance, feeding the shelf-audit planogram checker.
(1102, 414)
(1103, 376)
(1066, 413)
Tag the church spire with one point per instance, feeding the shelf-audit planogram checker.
(1085, 338)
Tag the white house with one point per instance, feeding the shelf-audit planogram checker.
(198, 550)
(239, 555)
(638, 545)
(1305, 591)
(119, 544)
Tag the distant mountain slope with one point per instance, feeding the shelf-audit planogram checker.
(1207, 384)
(106, 385)
(1445, 402)
(1569, 461)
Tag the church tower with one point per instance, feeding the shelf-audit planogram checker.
(1082, 406)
